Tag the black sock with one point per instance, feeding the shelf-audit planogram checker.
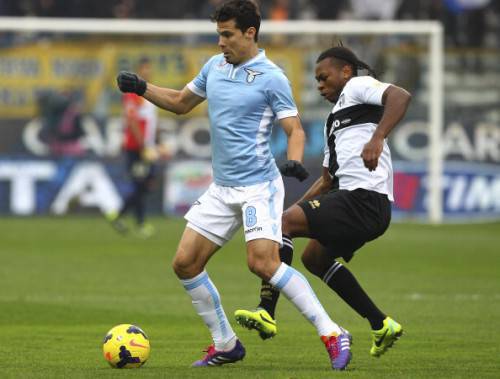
(139, 208)
(343, 282)
(268, 294)
(136, 202)
(127, 204)
(131, 200)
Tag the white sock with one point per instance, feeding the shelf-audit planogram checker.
(296, 288)
(206, 301)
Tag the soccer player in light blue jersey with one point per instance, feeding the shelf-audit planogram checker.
(246, 92)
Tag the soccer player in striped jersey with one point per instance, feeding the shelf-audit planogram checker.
(246, 92)
(350, 204)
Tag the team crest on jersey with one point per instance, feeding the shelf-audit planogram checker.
(314, 204)
(251, 74)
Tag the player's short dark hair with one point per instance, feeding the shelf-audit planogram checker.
(244, 12)
(342, 56)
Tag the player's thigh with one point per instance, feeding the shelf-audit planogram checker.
(262, 209)
(330, 217)
(295, 223)
(373, 210)
(193, 252)
(213, 216)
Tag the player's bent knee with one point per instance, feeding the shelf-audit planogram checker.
(285, 224)
(311, 264)
(256, 267)
(185, 267)
(263, 258)
(306, 261)
(178, 267)
(262, 268)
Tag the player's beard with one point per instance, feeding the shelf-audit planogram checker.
(229, 60)
(335, 96)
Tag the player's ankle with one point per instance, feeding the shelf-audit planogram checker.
(267, 308)
(227, 345)
(377, 322)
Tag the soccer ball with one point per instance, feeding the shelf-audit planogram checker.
(126, 346)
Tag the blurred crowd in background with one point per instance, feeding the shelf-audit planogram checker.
(468, 23)
(58, 99)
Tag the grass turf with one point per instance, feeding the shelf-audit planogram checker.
(64, 282)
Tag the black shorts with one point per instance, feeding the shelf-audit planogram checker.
(139, 170)
(343, 221)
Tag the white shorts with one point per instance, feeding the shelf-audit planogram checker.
(221, 210)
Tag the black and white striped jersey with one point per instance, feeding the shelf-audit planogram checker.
(348, 128)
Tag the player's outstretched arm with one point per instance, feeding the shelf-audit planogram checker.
(179, 102)
(322, 185)
(296, 141)
(396, 101)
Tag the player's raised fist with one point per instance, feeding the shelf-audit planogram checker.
(295, 169)
(130, 82)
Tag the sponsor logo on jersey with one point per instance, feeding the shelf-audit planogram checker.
(254, 229)
(251, 74)
(335, 125)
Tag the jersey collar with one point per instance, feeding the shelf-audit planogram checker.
(261, 54)
(234, 69)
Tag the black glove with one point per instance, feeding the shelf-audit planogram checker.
(130, 82)
(295, 169)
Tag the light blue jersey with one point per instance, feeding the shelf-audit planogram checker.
(243, 102)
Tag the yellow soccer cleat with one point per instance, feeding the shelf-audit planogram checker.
(146, 231)
(384, 338)
(116, 222)
(259, 320)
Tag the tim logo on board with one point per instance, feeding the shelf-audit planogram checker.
(470, 191)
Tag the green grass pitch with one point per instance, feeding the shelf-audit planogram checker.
(64, 282)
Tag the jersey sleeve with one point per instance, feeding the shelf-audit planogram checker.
(367, 90)
(199, 84)
(326, 150)
(281, 98)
